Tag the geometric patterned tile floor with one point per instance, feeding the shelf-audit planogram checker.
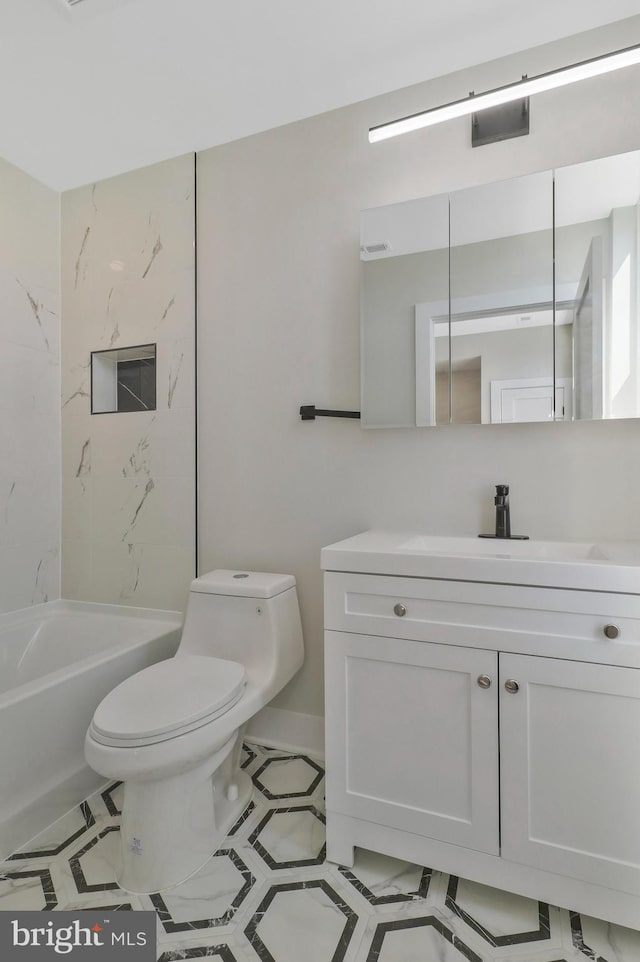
(268, 895)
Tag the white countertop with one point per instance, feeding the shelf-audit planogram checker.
(594, 566)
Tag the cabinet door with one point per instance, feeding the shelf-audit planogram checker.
(570, 769)
(412, 739)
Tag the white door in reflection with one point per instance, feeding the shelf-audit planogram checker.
(518, 400)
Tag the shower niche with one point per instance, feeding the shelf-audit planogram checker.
(123, 379)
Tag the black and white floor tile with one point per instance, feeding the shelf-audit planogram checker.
(269, 896)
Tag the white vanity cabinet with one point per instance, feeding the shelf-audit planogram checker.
(570, 751)
(416, 736)
(487, 730)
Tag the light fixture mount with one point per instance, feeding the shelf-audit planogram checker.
(500, 123)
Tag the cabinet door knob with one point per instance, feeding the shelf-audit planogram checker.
(484, 681)
(512, 686)
(611, 631)
(399, 610)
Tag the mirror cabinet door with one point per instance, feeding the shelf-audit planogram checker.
(404, 251)
(458, 318)
(597, 280)
(502, 332)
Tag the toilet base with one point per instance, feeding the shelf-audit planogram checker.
(171, 827)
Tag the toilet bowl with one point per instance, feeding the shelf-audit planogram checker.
(173, 732)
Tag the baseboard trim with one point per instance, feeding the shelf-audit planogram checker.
(290, 731)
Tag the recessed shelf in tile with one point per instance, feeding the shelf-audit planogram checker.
(123, 379)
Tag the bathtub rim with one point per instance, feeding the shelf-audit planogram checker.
(172, 619)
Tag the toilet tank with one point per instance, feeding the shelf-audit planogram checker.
(249, 617)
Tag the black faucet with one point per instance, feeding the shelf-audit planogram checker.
(503, 516)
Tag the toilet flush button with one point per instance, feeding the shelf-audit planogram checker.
(241, 576)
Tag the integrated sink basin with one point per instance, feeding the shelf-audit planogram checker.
(503, 548)
(588, 565)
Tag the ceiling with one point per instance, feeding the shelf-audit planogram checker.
(110, 85)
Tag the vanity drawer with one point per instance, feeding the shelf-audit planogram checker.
(554, 622)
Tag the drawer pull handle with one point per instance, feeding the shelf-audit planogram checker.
(611, 631)
(399, 610)
(484, 681)
(512, 686)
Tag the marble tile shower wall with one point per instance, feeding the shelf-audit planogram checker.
(128, 479)
(29, 391)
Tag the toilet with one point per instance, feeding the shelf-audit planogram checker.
(173, 731)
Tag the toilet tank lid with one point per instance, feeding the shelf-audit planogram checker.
(245, 584)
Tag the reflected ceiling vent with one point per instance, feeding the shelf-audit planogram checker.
(379, 248)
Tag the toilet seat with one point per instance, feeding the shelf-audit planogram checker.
(167, 699)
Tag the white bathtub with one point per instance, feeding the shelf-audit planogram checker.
(57, 661)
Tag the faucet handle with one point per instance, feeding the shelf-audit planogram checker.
(502, 490)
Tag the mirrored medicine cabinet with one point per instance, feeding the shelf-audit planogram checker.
(509, 302)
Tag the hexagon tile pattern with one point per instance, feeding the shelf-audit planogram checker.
(210, 898)
(290, 837)
(486, 901)
(67, 830)
(288, 776)
(310, 908)
(267, 895)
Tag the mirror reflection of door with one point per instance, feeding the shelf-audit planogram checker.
(466, 391)
(530, 399)
(502, 296)
(445, 392)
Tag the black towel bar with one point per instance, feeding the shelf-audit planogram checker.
(309, 412)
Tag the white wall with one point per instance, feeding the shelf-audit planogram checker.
(279, 326)
(29, 391)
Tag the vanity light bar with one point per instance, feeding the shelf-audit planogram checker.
(503, 95)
